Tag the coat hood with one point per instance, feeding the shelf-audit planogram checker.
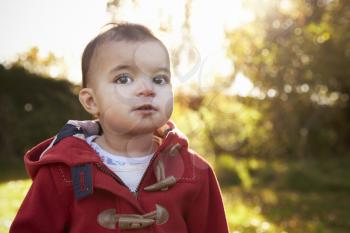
(69, 146)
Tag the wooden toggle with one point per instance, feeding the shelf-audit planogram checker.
(108, 219)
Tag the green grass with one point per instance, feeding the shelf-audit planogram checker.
(273, 211)
(295, 196)
(11, 196)
(279, 196)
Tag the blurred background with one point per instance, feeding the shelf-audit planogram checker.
(262, 91)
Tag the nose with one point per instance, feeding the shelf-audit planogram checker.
(145, 88)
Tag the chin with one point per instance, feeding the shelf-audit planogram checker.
(141, 130)
(147, 127)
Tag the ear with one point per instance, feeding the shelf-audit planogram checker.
(87, 99)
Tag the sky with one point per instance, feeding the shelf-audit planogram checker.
(64, 27)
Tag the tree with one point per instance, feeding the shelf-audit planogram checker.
(47, 65)
(300, 57)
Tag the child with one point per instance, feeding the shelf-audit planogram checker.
(129, 170)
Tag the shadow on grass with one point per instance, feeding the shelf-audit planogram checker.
(309, 195)
(272, 211)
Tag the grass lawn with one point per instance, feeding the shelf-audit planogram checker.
(294, 196)
(271, 211)
(308, 196)
(11, 196)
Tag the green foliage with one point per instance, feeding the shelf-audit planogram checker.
(219, 124)
(33, 108)
(48, 65)
(303, 55)
(11, 170)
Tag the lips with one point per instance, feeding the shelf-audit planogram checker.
(146, 107)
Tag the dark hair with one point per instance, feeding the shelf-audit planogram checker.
(118, 32)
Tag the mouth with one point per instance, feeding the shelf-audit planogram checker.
(146, 108)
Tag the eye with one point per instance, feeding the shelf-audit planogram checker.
(161, 79)
(123, 79)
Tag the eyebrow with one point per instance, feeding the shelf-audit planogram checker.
(120, 67)
(164, 69)
(128, 67)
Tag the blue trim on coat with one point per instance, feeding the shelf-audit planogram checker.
(66, 131)
(82, 180)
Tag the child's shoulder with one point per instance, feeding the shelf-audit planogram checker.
(67, 152)
(198, 161)
(185, 164)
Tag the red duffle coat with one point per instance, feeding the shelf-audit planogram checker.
(73, 191)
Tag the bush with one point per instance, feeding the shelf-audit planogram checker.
(33, 108)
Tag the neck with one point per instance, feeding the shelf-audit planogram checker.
(128, 145)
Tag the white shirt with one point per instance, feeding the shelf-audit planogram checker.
(129, 169)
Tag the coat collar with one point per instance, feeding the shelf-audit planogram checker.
(69, 145)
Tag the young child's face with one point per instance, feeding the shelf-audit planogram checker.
(130, 84)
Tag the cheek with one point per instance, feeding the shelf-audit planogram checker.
(169, 106)
(122, 95)
(167, 102)
(117, 120)
(118, 97)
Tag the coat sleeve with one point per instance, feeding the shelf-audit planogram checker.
(207, 213)
(43, 210)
